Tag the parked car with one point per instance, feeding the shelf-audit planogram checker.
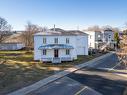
(92, 51)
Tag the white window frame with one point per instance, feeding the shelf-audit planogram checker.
(90, 36)
(67, 41)
(56, 40)
(67, 51)
(44, 40)
(44, 52)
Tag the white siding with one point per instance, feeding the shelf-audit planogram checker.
(97, 36)
(80, 46)
(91, 38)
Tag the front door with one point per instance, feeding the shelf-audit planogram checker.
(56, 53)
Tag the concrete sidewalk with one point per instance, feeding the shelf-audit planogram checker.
(57, 76)
(122, 75)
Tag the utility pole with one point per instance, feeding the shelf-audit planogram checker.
(54, 27)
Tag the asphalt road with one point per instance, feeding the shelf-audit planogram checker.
(108, 62)
(65, 86)
(88, 81)
(104, 82)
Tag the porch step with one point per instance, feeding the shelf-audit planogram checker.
(56, 60)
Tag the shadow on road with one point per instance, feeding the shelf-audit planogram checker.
(104, 85)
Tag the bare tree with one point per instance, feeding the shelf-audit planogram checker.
(115, 29)
(5, 29)
(106, 27)
(123, 51)
(94, 28)
(27, 35)
(124, 37)
(125, 24)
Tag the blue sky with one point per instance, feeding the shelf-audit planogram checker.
(66, 14)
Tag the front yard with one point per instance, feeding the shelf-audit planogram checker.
(18, 69)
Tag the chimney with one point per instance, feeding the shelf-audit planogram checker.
(54, 27)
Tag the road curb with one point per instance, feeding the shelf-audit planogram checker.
(43, 82)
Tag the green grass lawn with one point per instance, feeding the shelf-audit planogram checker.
(18, 69)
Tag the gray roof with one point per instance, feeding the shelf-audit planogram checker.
(61, 32)
(57, 29)
(91, 31)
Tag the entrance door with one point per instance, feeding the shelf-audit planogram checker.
(56, 53)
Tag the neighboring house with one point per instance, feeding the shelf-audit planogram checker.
(12, 43)
(57, 46)
(94, 38)
(98, 39)
(11, 46)
(108, 35)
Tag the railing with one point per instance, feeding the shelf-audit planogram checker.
(57, 59)
(46, 59)
(66, 59)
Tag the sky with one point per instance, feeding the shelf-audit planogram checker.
(65, 14)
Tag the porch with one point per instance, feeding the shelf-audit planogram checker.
(56, 59)
(56, 53)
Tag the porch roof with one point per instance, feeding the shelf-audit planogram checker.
(56, 46)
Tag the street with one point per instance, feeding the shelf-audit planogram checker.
(88, 81)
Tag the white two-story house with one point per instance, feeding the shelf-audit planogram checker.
(100, 39)
(94, 39)
(57, 46)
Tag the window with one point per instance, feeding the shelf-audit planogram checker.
(90, 36)
(44, 52)
(67, 52)
(109, 36)
(44, 40)
(67, 40)
(90, 44)
(99, 36)
(56, 40)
